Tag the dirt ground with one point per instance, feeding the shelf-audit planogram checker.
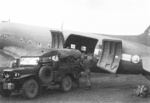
(106, 88)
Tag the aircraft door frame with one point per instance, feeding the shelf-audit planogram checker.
(57, 39)
(111, 55)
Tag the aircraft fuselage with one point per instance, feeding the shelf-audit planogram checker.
(18, 40)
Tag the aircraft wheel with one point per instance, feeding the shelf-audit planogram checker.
(30, 89)
(66, 84)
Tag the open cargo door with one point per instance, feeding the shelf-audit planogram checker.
(111, 55)
(57, 39)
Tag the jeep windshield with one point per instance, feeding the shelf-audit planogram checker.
(29, 60)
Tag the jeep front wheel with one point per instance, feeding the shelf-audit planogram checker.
(66, 84)
(30, 89)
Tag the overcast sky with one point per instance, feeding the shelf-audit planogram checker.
(124, 17)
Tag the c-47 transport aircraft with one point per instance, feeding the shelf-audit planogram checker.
(112, 53)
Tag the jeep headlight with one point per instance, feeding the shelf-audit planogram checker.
(17, 74)
(10, 74)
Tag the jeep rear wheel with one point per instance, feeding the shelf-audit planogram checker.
(66, 84)
(30, 89)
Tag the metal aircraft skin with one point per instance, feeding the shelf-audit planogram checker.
(133, 51)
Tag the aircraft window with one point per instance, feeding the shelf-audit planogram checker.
(13, 38)
(83, 48)
(21, 39)
(29, 41)
(5, 36)
(73, 46)
(48, 45)
(40, 44)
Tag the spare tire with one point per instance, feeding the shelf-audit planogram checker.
(46, 74)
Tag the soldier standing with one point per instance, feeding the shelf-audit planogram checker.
(87, 64)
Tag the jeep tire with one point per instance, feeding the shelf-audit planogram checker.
(46, 74)
(66, 84)
(30, 89)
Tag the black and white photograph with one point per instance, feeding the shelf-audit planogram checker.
(74, 51)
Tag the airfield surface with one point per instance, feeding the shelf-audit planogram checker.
(106, 88)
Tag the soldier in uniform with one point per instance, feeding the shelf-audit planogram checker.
(86, 65)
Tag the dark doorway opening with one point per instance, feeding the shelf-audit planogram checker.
(82, 43)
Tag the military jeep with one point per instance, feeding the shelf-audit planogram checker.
(40, 69)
